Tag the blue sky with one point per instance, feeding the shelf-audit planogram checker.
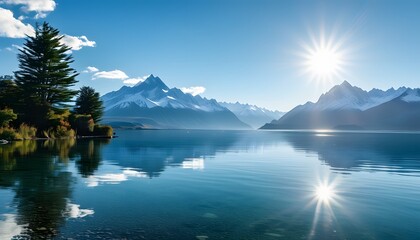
(238, 50)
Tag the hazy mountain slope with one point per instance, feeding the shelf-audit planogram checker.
(251, 114)
(402, 112)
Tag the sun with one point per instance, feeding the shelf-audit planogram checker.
(324, 60)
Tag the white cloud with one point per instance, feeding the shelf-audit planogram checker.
(76, 43)
(194, 90)
(41, 7)
(115, 74)
(40, 15)
(14, 48)
(134, 81)
(90, 69)
(12, 27)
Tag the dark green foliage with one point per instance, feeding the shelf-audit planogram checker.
(8, 94)
(89, 102)
(59, 125)
(6, 116)
(90, 155)
(63, 132)
(43, 205)
(8, 134)
(44, 77)
(103, 131)
(58, 118)
(83, 124)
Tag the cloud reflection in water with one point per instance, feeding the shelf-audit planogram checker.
(9, 227)
(193, 163)
(114, 178)
(74, 211)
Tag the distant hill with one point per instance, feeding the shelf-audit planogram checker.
(152, 104)
(349, 107)
(251, 114)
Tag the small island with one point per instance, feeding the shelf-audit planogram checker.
(36, 102)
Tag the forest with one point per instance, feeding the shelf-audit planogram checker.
(39, 99)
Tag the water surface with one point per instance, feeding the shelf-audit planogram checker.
(213, 185)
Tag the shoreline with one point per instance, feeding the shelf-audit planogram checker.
(4, 142)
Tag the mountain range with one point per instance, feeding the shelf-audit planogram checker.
(349, 107)
(152, 104)
(251, 114)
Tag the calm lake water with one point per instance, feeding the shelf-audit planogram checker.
(213, 185)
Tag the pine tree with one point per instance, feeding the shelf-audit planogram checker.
(44, 77)
(89, 102)
(8, 96)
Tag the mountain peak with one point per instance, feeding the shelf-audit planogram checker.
(345, 84)
(153, 82)
(343, 89)
(152, 92)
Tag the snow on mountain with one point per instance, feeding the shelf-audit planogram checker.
(346, 96)
(152, 104)
(349, 107)
(152, 92)
(411, 95)
(251, 114)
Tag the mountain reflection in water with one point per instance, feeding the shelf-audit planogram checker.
(42, 175)
(152, 151)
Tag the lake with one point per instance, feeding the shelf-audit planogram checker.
(179, 184)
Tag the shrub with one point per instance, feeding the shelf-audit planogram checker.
(58, 118)
(59, 132)
(9, 134)
(63, 132)
(26, 132)
(83, 124)
(103, 130)
(49, 133)
(6, 116)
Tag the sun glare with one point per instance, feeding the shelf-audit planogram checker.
(324, 62)
(324, 59)
(324, 193)
(326, 199)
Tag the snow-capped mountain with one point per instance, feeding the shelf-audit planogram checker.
(346, 96)
(154, 93)
(153, 104)
(251, 114)
(349, 107)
